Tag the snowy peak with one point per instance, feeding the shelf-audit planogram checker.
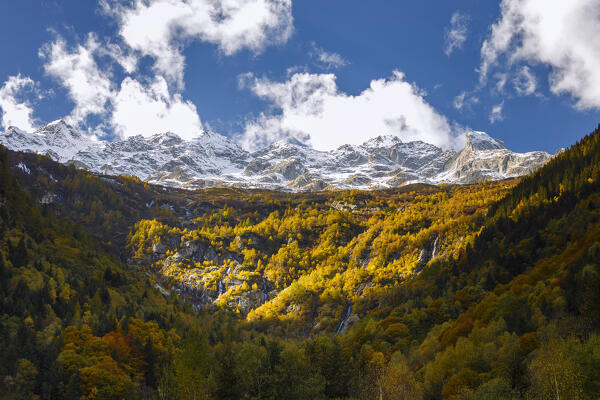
(165, 139)
(285, 149)
(290, 141)
(131, 144)
(58, 128)
(382, 141)
(211, 159)
(216, 142)
(284, 146)
(57, 139)
(482, 141)
(13, 130)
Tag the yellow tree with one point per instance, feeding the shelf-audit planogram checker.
(554, 375)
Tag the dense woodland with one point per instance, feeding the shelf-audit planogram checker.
(489, 291)
(317, 259)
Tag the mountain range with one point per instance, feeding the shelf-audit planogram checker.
(212, 160)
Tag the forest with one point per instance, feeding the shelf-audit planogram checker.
(111, 288)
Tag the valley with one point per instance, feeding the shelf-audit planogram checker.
(113, 287)
(295, 200)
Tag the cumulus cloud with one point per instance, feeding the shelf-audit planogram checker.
(148, 109)
(456, 34)
(560, 34)
(132, 108)
(158, 28)
(76, 69)
(496, 113)
(149, 103)
(311, 108)
(327, 60)
(15, 111)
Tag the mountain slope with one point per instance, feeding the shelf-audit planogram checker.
(64, 297)
(56, 139)
(486, 291)
(212, 160)
(485, 158)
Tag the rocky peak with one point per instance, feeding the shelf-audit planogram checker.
(284, 149)
(131, 144)
(15, 131)
(211, 159)
(165, 139)
(287, 143)
(482, 141)
(209, 139)
(382, 141)
(58, 127)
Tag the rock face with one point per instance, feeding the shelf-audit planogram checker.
(57, 139)
(209, 277)
(485, 158)
(213, 160)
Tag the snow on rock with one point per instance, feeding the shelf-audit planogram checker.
(382, 141)
(57, 139)
(24, 168)
(482, 141)
(213, 160)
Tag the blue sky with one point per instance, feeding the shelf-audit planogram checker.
(324, 72)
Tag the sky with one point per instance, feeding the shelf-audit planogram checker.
(325, 73)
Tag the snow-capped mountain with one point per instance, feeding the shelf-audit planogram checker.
(57, 139)
(213, 160)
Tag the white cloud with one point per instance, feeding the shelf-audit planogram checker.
(17, 112)
(311, 108)
(459, 101)
(76, 69)
(496, 113)
(150, 109)
(136, 107)
(456, 35)
(149, 103)
(464, 100)
(560, 34)
(327, 60)
(525, 82)
(159, 28)
(126, 59)
(501, 79)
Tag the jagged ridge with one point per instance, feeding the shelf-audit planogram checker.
(212, 160)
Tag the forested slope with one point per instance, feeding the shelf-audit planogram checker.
(112, 288)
